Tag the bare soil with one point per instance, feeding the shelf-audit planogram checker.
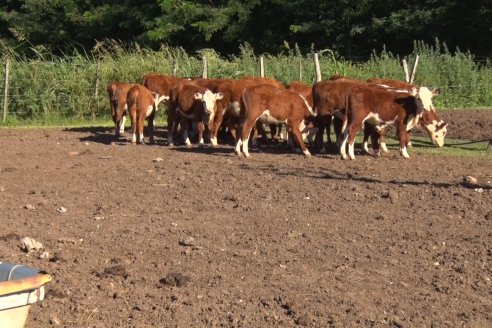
(152, 236)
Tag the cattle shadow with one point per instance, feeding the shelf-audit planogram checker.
(332, 174)
(106, 135)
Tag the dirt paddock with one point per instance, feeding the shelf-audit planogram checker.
(152, 236)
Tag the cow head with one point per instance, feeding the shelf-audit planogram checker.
(208, 99)
(423, 98)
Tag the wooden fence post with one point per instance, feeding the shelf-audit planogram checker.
(316, 66)
(96, 90)
(405, 69)
(414, 70)
(205, 68)
(5, 91)
(300, 69)
(262, 67)
(175, 66)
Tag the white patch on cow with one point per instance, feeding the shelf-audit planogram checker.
(425, 95)
(134, 137)
(392, 89)
(383, 147)
(213, 141)
(437, 137)
(238, 146)
(150, 109)
(245, 147)
(404, 152)
(141, 136)
(413, 122)
(376, 121)
(307, 153)
(351, 150)
(366, 147)
(266, 118)
(186, 138)
(122, 125)
(201, 142)
(306, 132)
(236, 108)
(209, 98)
(343, 145)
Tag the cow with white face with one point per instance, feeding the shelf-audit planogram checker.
(190, 101)
(425, 117)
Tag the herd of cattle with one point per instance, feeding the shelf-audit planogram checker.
(242, 107)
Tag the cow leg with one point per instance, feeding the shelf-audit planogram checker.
(403, 138)
(337, 128)
(201, 129)
(151, 126)
(215, 127)
(294, 128)
(171, 128)
(349, 140)
(382, 141)
(133, 118)
(121, 128)
(185, 127)
(243, 139)
(140, 128)
(318, 140)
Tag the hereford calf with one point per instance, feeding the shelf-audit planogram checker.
(117, 92)
(270, 104)
(329, 100)
(142, 105)
(190, 101)
(428, 116)
(379, 107)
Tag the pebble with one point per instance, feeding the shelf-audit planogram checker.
(28, 244)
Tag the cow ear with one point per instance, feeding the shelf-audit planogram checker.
(219, 95)
(198, 96)
(414, 91)
(436, 92)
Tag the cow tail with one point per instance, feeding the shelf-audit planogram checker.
(346, 113)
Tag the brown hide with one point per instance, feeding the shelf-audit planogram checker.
(117, 93)
(389, 106)
(329, 99)
(283, 105)
(306, 91)
(139, 100)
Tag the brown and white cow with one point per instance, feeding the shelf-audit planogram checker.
(229, 107)
(190, 101)
(329, 100)
(142, 105)
(429, 120)
(380, 107)
(267, 103)
(117, 92)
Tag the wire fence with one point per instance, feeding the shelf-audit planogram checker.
(76, 88)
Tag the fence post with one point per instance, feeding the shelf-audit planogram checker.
(205, 68)
(405, 69)
(5, 91)
(262, 67)
(300, 69)
(414, 70)
(316, 66)
(175, 66)
(96, 90)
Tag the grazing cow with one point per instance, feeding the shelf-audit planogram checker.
(430, 115)
(380, 108)
(142, 105)
(267, 103)
(329, 99)
(190, 101)
(117, 92)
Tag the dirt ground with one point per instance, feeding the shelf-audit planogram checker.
(152, 236)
